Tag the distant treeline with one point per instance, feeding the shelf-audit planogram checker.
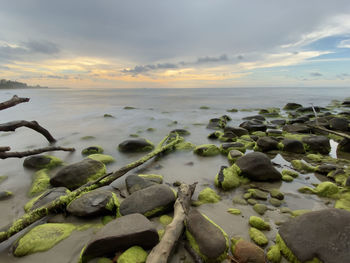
(9, 84)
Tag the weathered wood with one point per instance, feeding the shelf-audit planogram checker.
(161, 252)
(6, 154)
(12, 102)
(341, 134)
(60, 203)
(4, 148)
(34, 125)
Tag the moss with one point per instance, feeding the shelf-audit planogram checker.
(103, 158)
(42, 238)
(294, 136)
(104, 260)
(165, 220)
(259, 133)
(288, 254)
(207, 195)
(234, 242)
(258, 194)
(259, 223)
(287, 178)
(258, 237)
(239, 200)
(252, 201)
(343, 202)
(274, 254)
(184, 145)
(228, 178)
(290, 173)
(98, 174)
(133, 135)
(232, 110)
(92, 150)
(248, 142)
(150, 129)
(325, 189)
(260, 208)
(275, 202)
(106, 219)
(88, 137)
(207, 150)
(134, 254)
(275, 193)
(31, 202)
(303, 167)
(114, 204)
(234, 211)
(41, 182)
(204, 107)
(335, 137)
(129, 108)
(155, 211)
(300, 212)
(161, 233)
(232, 158)
(247, 195)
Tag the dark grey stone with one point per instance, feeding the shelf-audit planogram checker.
(238, 131)
(255, 117)
(318, 144)
(292, 106)
(134, 183)
(135, 145)
(293, 146)
(339, 124)
(36, 161)
(49, 196)
(267, 143)
(253, 125)
(297, 128)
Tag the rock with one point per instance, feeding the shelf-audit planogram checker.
(325, 168)
(95, 203)
(267, 144)
(293, 146)
(120, 234)
(258, 194)
(232, 110)
(75, 175)
(134, 183)
(228, 177)
(238, 131)
(149, 201)
(103, 158)
(216, 123)
(155, 178)
(207, 150)
(346, 103)
(344, 146)
(252, 201)
(5, 195)
(106, 115)
(41, 182)
(292, 106)
(287, 178)
(92, 150)
(279, 122)
(41, 162)
(275, 202)
(206, 238)
(207, 195)
(274, 132)
(259, 223)
(260, 208)
(325, 233)
(339, 124)
(255, 117)
(275, 193)
(247, 252)
(134, 254)
(258, 237)
(233, 155)
(297, 128)
(310, 109)
(238, 200)
(45, 198)
(181, 132)
(136, 145)
(234, 211)
(41, 238)
(226, 147)
(317, 144)
(274, 254)
(257, 166)
(301, 119)
(253, 125)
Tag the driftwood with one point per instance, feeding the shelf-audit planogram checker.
(13, 125)
(4, 151)
(12, 102)
(60, 203)
(161, 252)
(341, 134)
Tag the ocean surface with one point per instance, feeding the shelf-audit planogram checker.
(71, 114)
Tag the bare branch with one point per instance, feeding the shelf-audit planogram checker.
(4, 148)
(12, 102)
(6, 154)
(13, 125)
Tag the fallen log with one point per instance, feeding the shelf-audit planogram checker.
(34, 125)
(60, 203)
(341, 134)
(4, 151)
(12, 102)
(161, 252)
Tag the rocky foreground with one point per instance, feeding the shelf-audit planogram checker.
(126, 233)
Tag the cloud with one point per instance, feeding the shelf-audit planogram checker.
(316, 74)
(144, 69)
(344, 43)
(207, 59)
(343, 76)
(44, 47)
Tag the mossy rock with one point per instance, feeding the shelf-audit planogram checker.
(259, 223)
(207, 150)
(42, 238)
(274, 254)
(5, 195)
(42, 162)
(275, 202)
(103, 158)
(136, 145)
(287, 178)
(252, 201)
(234, 211)
(135, 254)
(303, 167)
(275, 193)
(290, 173)
(228, 177)
(207, 195)
(245, 251)
(325, 189)
(238, 200)
(40, 183)
(233, 155)
(165, 220)
(260, 208)
(258, 237)
(258, 194)
(92, 150)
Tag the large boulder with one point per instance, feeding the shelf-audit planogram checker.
(121, 234)
(318, 144)
(206, 238)
(238, 131)
(75, 175)
(135, 183)
(95, 203)
(253, 125)
(297, 128)
(136, 145)
(293, 146)
(149, 201)
(257, 166)
(339, 124)
(267, 143)
(325, 234)
(41, 162)
(292, 106)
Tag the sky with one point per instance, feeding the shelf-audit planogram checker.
(176, 44)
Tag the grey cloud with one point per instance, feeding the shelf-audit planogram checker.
(316, 74)
(240, 57)
(143, 69)
(44, 47)
(343, 76)
(212, 59)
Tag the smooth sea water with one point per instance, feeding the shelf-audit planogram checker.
(71, 114)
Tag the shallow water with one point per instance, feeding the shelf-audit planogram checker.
(71, 114)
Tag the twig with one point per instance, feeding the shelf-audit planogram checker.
(6, 154)
(12, 102)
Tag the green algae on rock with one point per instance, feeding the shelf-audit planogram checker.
(165, 220)
(274, 254)
(300, 212)
(103, 158)
(287, 178)
(343, 202)
(42, 162)
(260, 208)
(207, 195)
(157, 178)
(228, 177)
(135, 254)
(40, 183)
(302, 166)
(258, 237)
(207, 150)
(92, 150)
(290, 173)
(325, 189)
(275, 193)
(42, 238)
(234, 211)
(258, 194)
(259, 223)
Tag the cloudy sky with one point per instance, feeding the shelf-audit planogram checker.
(182, 43)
